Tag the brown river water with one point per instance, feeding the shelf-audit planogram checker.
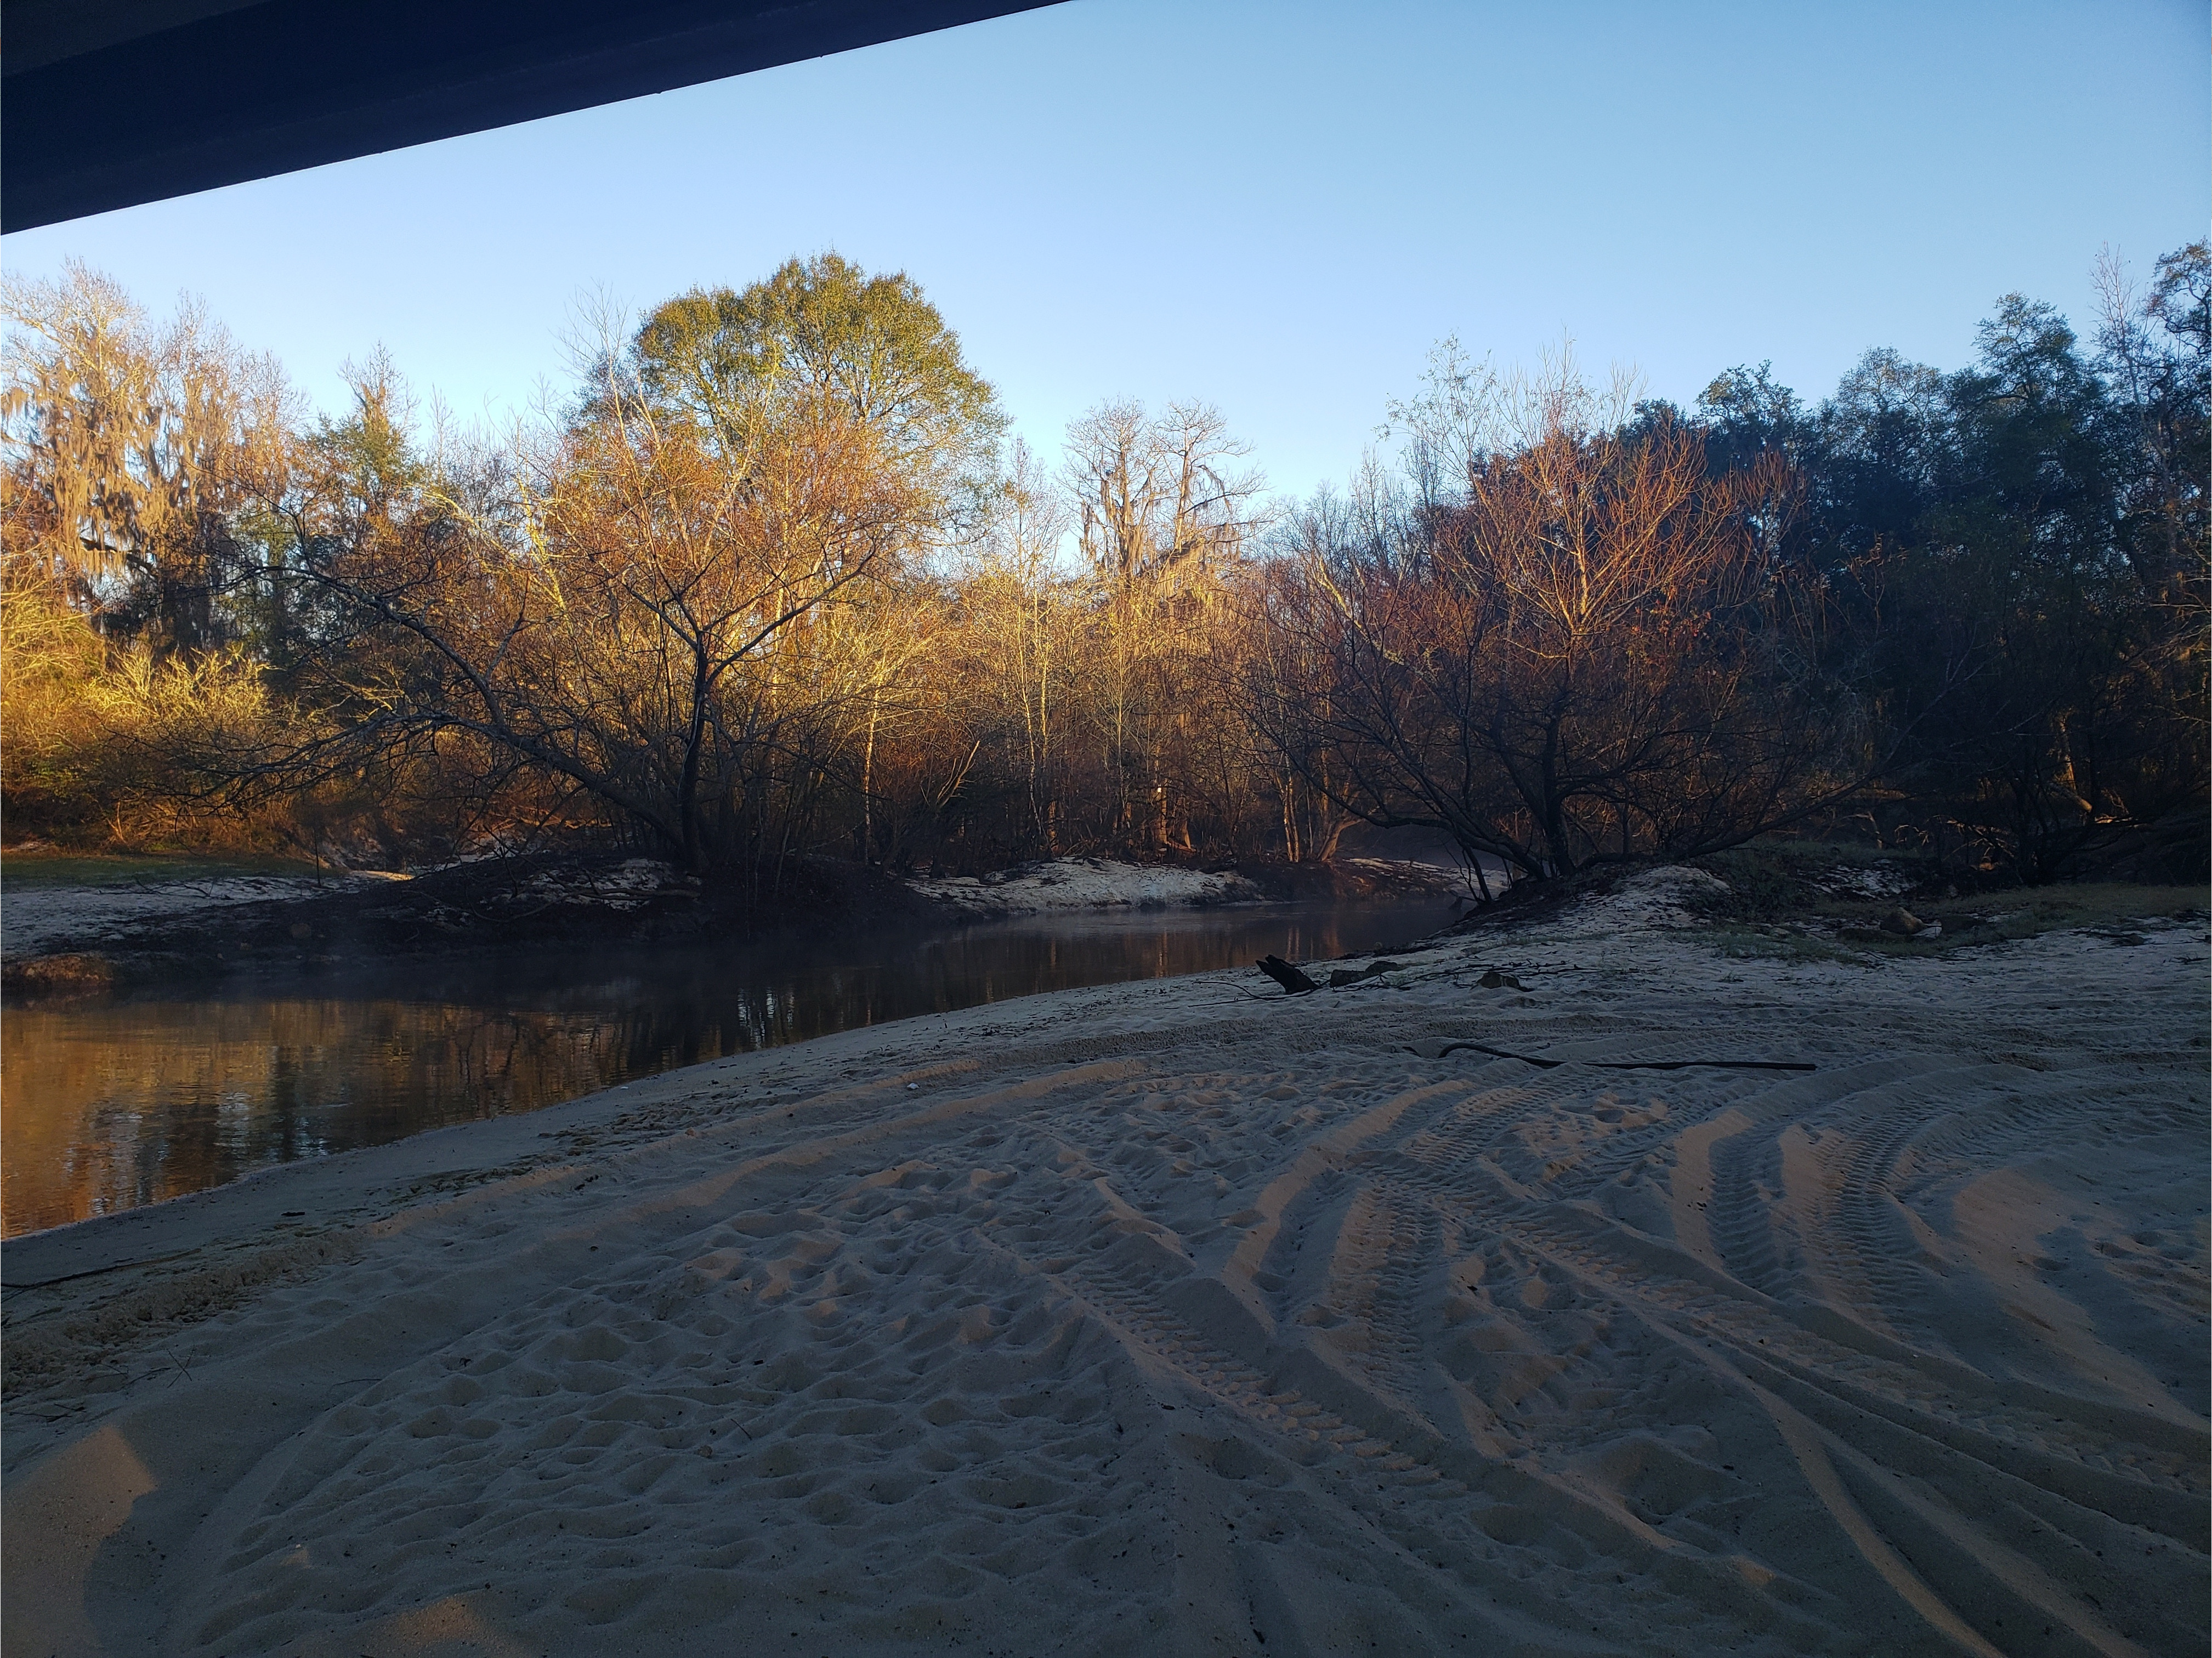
(114, 1103)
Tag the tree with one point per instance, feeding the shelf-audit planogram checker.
(1596, 654)
(1156, 500)
(763, 592)
(126, 581)
(2155, 355)
(129, 449)
(1162, 519)
(1746, 414)
(621, 611)
(821, 332)
(2041, 698)
(1289, 666)
(1025, 614)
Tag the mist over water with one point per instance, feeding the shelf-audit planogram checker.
(127, 1100)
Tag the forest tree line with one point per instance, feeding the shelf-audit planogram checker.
(773, 587)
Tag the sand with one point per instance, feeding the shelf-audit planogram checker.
(1072, 885)
(37, 918)
(1084, 883)
(1184, 1317)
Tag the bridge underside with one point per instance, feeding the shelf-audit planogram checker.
(109, 103)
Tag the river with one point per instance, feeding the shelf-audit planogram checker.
(127, 1100)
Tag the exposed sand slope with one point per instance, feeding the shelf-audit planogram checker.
(1155, 1319)
(1085, 884)
(1068, 884)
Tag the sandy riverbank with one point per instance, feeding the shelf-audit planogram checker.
(1162, 1318)
(1072, 885)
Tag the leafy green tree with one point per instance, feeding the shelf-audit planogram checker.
(739, 363)
(1747, 415)
(2022, 651)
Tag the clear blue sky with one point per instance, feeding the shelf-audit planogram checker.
(1274, 207)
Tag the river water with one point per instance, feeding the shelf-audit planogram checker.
(119, 1101)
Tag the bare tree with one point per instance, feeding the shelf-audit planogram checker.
(1025, 611)
(1161, 518)
(617, 607)
(1594, 655)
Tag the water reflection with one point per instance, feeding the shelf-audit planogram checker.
(114, 1103)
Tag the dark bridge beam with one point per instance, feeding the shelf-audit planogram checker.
(108, 103)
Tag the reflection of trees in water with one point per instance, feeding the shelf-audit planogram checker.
(114, 1105)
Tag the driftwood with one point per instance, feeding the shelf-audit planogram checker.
(1433, 1049)
(1286, 976)
(1344, 977)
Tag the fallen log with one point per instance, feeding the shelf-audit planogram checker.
(1431, 1049)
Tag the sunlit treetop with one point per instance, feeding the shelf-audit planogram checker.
(738, 362)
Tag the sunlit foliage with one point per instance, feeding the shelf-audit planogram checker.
(771, 588)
